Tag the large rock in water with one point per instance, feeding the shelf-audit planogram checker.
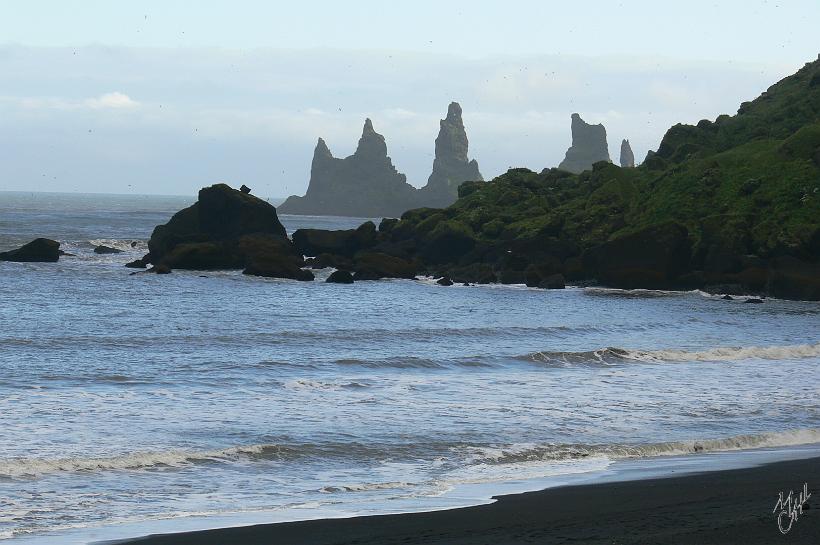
(627, 159)
(365, 184)
(588, 146)
(38, 250)
(226, 229)
(451, 166)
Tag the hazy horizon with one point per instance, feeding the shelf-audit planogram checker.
(162, 99)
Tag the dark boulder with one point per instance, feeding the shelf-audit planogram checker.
(444, 281)
(340, 277)
(221, 215)
(101, 249)
(38, 250)
(160, 269)
(227, 229)
(654, 257)
(272, 257)
(374, 265)
(348, 242)
(245, 189)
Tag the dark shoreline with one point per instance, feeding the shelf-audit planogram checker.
(730, 506)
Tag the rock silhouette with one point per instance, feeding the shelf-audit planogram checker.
(451, 165)
(627, 157)
(365, 184)
(588, 146)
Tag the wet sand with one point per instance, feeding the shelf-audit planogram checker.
(731, 506)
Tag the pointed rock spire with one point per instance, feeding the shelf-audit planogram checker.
(627, 157)
(322, 151)
(371, 144)
(451, 165)
(588, 146)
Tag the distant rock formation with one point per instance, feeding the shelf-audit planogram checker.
(451, 167)
(365, 184)
(627, 157)
(588, 146)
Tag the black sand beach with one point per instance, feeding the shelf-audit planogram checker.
(733, 506)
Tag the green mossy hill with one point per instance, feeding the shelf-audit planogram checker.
(742, 188)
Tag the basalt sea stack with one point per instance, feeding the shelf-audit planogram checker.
(451, 166)
(588, 146)
(365, 184)
(627, 157)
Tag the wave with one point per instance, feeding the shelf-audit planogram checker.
(612, 356)
(562, 452)
(461, 454)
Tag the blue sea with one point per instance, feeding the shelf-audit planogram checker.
(130, 403)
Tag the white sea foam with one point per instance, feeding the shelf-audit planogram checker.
(608, 356)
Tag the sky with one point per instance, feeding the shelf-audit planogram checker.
(168, 96)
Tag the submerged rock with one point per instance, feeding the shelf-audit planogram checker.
(39, 250)
(627, 159)
(589, 146)
(451, 166)
(101, 249)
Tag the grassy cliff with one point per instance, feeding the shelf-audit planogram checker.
(731, 204)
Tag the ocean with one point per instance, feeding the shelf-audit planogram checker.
(130, 403)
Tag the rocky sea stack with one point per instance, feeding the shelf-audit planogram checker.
(365, 184)
(627, 159)
(226, 229)
(451, 166)
(589, 146)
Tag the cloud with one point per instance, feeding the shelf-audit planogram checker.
(115, 100)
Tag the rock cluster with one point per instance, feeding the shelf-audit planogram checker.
(589, 146)
(366, 184)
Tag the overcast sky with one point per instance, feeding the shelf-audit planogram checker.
(168, 96)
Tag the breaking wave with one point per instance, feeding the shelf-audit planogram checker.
(461, 455)
(611, 356)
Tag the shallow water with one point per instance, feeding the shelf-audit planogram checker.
(127, 398)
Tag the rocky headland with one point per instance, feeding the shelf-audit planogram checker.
(729, 206)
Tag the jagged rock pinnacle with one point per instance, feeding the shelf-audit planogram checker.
(627, 159)
(451, 165)
(588, 146)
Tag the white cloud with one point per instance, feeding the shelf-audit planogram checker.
(111, 100)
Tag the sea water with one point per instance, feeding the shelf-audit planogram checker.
(171, 401)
